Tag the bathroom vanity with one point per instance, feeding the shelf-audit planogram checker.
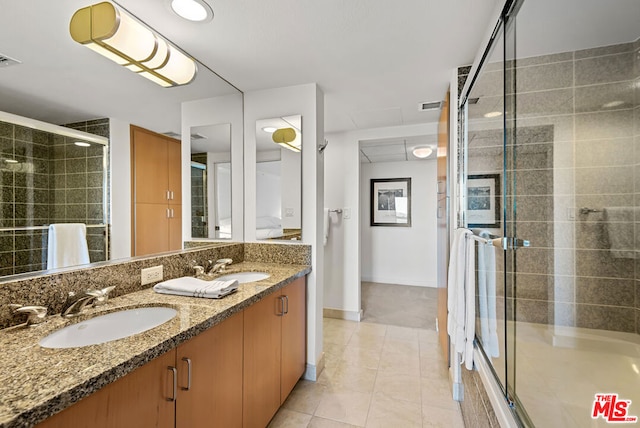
(229, 362)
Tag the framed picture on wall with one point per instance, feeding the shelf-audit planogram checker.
(391, 202)
(483, 200)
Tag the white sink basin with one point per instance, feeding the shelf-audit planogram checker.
(244, 277)
(105, 328)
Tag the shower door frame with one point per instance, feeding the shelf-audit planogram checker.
(505, 29)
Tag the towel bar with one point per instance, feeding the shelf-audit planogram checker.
(585, 210)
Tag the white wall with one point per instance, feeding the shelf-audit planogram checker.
(308, 101)
(120, 153)
(342, 190)
(401, 255)
(268, 189)
(291, 189)
(214, 111)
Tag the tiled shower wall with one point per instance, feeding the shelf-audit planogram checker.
(577, 139)
(199, 227)
(52, 180)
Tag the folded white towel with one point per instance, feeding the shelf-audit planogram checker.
(194, 287)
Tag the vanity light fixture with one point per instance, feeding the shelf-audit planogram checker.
(287, 138)
(192, 10)
(422, 152)
(11, 161)
(269, 129)
(118, 36)
(82, 144)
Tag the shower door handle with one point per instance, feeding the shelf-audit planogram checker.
(510, 243)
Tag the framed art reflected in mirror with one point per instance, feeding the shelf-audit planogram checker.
(483, 200)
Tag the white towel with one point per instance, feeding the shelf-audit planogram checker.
(618, 223)
(461, 296)
(327, 225)
(194, 287)
(67, 245)
(487, 298)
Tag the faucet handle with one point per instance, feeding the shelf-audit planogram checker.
(35, 314)
(101, 296)
(224, 263)
(198, 271)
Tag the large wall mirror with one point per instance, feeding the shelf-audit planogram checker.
(279, 178)
(58, 81)
(211, 181)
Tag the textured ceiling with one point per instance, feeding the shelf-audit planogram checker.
(375, 60)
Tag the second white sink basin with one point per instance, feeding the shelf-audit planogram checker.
(105, 328)
(244, 277)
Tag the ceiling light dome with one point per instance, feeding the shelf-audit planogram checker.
(192, 10)
(422, 152)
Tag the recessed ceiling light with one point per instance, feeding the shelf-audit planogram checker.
(613, 104)
(192, 10)
(269, 129)
(422, 152)
(81, 144)
(493, 114)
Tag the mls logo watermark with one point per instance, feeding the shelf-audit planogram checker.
(612, 409)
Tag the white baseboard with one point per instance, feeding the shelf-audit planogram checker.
(342, 315)
(400, 281)
(313, 372)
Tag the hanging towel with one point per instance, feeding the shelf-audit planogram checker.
(327, 225)
(461, 296)
(67, 245)
(194, 287)
(618, 224)
(487, 297)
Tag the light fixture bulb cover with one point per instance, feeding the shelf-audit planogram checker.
(422, 152)
(118, 36)
(285, 137)
(192, 10)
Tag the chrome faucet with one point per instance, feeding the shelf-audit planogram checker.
(219, 266)
(35, 314)
(76, 304)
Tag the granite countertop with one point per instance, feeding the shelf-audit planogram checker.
(37, 382)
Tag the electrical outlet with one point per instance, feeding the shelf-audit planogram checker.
(346, 213)
(152, 274)
(288, 212)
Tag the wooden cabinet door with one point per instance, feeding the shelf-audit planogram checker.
(149, 167)
(294, 336)
(214, 396)
(262, 354)
(152, 229)
(175, 228)
(140, 399)
(174, 169)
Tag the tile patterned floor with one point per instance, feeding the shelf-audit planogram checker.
(376, 375)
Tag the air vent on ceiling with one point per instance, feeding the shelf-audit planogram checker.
(197, 136)
(6, 61)
(171, 134)
(434, 105)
